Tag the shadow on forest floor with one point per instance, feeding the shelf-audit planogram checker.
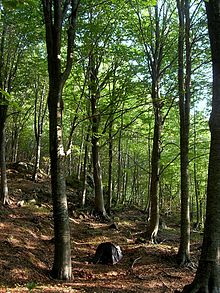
(26, 250)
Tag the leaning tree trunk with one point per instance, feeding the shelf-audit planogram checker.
(207, 279)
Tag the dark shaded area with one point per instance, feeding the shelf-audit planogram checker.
(107, 253)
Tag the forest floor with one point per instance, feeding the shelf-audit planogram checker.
(26, 247)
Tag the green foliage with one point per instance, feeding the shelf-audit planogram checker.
(31, 285)
(123, 54)
(16, 3)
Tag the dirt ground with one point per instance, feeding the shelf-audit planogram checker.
(26, 248)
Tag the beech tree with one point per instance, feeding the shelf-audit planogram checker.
(184, 77)
(59, 16)
(3, 116)
(207, 277)
(11, 50)
(40, 108)
(157, 26)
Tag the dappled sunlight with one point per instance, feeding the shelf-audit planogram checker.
(27, 254)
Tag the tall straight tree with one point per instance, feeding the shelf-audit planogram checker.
(40, 108)
(3, 116)
(11, 50)
(184, 110)
(207, 279)
(59, 16)
(158, 27)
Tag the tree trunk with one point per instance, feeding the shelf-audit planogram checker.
(14, 140)
(39, 115)
(154, 183)
(99, 199)
(207, 279)
(119, 168)
(37, 158)
(97, 174)
(62, 255)
(196, 182)
(125, 175)
(184, 108)
(4, 185)
(79, 167)
(3, 117)
(54, 16)
(110, 163)
(85, 168)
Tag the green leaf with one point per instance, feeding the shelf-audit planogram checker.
(7, 95)
(13, 4)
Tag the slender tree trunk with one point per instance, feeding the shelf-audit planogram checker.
(125, 175)
(97, 173)
(99, 198)
(147, 208)
(207, 279)
(110, 163)
(14, 141)
(184, 108)
(3, 117)
(196, 183)
(155, 67)
(85, 167)
(119, 168)
(4, 185)
(79, 167)
(154, 183)
(39, 116)
(37, 158)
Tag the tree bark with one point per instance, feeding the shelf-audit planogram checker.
(39, 114)
(4, 185)
(154, 212)
(62, 268)
(85, 166)
(3, 117)
(184, 109)
(207, 279)
(95, 120)
(110, 165)
(54, 14)
(154, 183)
(196, 182)
(119, 195)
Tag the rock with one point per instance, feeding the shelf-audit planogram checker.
(107, 253)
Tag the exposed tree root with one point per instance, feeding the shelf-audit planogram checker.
(204, 286)
(183, 259)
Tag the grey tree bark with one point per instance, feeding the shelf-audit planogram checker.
(55, 12)
(207, 279)
(183, 256)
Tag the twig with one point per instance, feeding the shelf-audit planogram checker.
(134, 262)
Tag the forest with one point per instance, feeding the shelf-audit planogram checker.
(109, 134)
